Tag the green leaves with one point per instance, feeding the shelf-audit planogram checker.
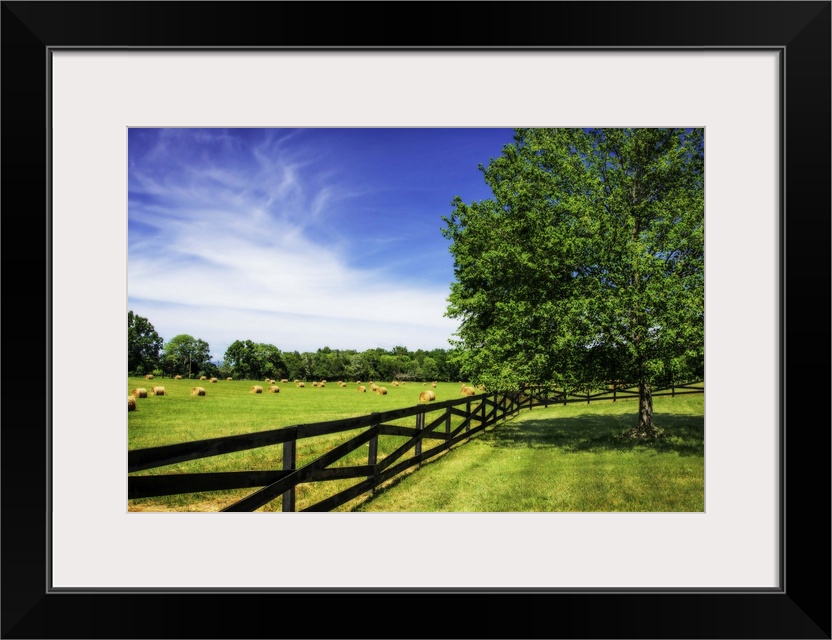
(186, 354)
(588, 262)
(143, 345)
(255, 360)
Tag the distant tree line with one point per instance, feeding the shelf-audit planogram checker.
(188, 356)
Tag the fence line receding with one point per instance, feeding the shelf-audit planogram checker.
(409, 437)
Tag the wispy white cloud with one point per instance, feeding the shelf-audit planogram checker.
(232, 242)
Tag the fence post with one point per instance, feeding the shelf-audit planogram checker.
(467, 416)
(420, 425)
(672, 389)
(289, 464)
(372, 454)
(447, 419)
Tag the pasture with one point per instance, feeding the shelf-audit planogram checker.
(566, 459)
(230, 408)
(562, 458)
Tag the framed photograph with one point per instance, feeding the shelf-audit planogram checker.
(78, 76)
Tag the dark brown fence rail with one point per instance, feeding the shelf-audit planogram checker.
(547, 396)
(435, 429)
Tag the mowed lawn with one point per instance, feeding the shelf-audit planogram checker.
(564, 459)
(561, 458)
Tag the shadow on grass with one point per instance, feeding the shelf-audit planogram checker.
(685, 434)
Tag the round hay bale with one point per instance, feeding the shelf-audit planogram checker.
(373, 386)
(203, 377)
(229, 378)
(284, 381)
(362, 389)
(468, 391)
(301, 384)
(139, 392)
(158, 391)
(481, 387)
(149, 376)
(213, 379)
(322, 384)
(131, 403)
(274, 389)
(257, 389)
(198, 391)
(395, 384)
(433, 385)
(427, 396)
(177, 377)
(382, 391)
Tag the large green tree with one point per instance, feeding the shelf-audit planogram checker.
(255, 360)
(186, 355)
(143, 345)
(587, 265)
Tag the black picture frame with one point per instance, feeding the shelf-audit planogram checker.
(800, 608)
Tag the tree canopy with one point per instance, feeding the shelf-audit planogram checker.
(587, 264)
(143, 345)
(255, 360)
(186, 355)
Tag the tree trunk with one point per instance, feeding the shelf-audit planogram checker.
(646, 428)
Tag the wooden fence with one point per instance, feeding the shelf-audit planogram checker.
(545, 396)
(431, 430)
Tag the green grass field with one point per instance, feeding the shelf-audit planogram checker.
(566, 458)
(229, 408)
(563, 458)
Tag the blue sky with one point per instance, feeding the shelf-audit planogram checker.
(300, 238)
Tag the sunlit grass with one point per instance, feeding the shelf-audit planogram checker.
(229, 408)
(561, 458)
(566, 458)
